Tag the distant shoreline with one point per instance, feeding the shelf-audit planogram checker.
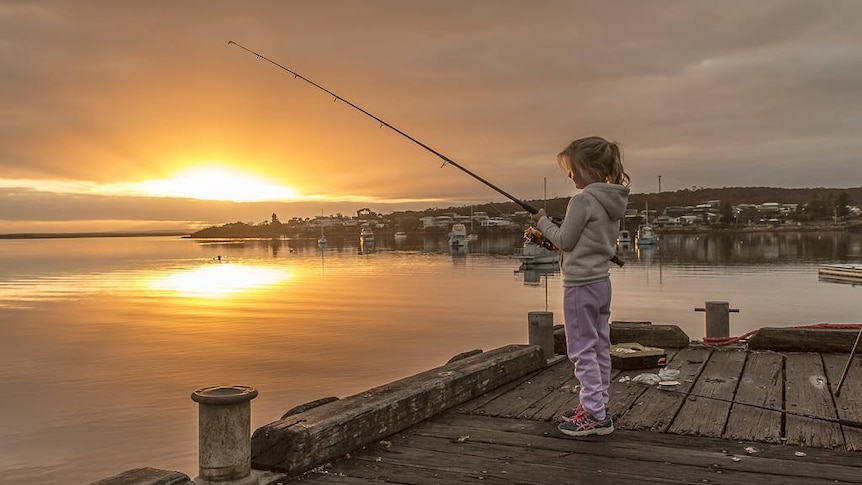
(71, 235)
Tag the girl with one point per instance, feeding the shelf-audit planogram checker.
(587, 238)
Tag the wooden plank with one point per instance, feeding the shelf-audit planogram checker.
(303, 441)
(761, 384)
(476, 403)
(503, 465)
(806, 391)
(147, 476)
(623, 395)
(694, 444)
(662, 336)
(562, 387)
(849, 402)
(705, 412)
(825, 340)
(496, 437)
(655, 409)
(515, 402)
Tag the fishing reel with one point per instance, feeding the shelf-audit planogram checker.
(535, 236)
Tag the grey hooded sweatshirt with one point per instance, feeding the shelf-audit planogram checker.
(587, 236)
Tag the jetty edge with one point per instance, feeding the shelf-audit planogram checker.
(517, 381)
(303, 441)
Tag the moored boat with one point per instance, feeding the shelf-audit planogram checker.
(458, 235)
(624, 237)
(646, 236)
(844, 272)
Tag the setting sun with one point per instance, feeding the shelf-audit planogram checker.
(218, 184)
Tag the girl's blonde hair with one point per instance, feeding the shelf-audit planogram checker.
(595, 159)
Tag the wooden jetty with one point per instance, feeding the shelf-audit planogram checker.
(746, 414)
(841, 273)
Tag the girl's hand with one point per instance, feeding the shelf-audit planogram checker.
(538, 215)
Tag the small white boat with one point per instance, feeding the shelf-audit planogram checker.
(850, 273)
(322, 241)
(366, 235)
(646, 236)
(458, 235)
(532, 253)
(624, 237)
(400, 236)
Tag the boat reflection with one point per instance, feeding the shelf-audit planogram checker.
(533, 273)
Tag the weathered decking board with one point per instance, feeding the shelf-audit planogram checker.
(655, 409)
(622, 396)
(848, 403)
(458, 448)
(514, 404)
(762, 384)
(701, 416)
(806, 391)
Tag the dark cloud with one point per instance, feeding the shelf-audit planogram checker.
(704, 93)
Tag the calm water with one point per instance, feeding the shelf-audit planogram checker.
(104, 339)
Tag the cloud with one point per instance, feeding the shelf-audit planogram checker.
(707, 94)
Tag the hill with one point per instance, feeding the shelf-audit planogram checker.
(684, 197)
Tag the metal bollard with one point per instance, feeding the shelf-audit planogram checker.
(717, 318)
(542, 332)
(224, 429)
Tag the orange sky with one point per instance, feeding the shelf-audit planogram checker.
(100, 96)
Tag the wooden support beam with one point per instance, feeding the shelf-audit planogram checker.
(661, 336)
(823, 340)
(303, 441)
(147, 476)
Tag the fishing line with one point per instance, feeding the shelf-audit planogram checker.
(843, 422)
(446, 160)
(336, 97)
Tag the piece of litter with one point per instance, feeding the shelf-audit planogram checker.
(736, 458)
(462, 439)
(624, 379)
(668, 374)
(668, 383)
(647, 378)
(800, 453)
(445, 373)
(750, 450)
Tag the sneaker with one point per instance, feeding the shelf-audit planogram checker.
(572, 413)
(584, 425)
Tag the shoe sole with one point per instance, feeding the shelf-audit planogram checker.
(590, 432)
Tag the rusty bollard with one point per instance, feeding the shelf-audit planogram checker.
(224, 434)
(717, 318)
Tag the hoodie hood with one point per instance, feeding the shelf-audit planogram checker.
(614, 198)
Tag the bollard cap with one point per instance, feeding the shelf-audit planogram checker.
(224, 395)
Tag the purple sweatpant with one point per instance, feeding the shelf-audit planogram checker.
(587, 310)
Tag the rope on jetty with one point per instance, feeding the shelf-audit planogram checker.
(720, 341)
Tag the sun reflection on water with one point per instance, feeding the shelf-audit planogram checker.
(218, 280)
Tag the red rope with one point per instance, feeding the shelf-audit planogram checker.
(719, 341)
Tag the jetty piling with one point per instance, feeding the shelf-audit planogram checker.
(717, 318)
(224, 428)
(541, 332)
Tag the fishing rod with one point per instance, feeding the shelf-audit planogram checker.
(843, 422)
(533, 235)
